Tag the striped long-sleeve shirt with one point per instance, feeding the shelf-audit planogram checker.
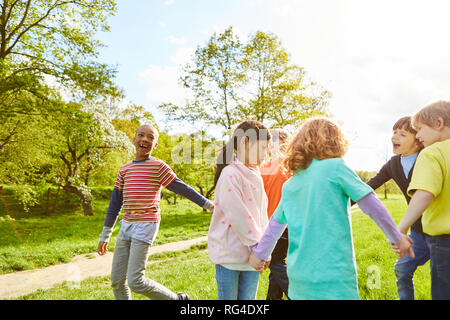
(140, 183)
(137, 191)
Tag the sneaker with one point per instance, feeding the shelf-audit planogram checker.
(182, 296)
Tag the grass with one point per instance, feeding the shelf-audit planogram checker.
(188, 271)
(191, 270)
(375, 259)
(29, 241)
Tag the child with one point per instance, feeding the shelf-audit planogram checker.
(138, 189)
(400, 168)
(430, 190)
(274, 178)
(240, 214)
(315, 204)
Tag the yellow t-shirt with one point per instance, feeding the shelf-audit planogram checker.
(432, 174)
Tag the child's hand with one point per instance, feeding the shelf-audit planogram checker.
(403, 247)
(211, 209)
(258, 264)
(102, 248)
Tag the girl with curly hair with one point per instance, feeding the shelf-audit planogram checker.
(315, 203)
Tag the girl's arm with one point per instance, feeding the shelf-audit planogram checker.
(263, 250)
(375, 209)
(179, 187)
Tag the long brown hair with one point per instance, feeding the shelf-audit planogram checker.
(253, 130)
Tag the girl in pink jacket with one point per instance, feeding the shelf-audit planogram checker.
(240, 214)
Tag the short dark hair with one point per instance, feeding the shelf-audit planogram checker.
(405, 123)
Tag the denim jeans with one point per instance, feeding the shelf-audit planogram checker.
(236, 285)
(128, 268)
(406, 266)
(440, 267)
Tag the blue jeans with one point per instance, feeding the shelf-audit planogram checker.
(406, 266)
(440, 267)
(128, 267)
(236, 285)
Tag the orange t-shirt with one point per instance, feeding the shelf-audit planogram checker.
(273, 179)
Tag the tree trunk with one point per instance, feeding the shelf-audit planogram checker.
(48, 203)
(56, 201)
(86, 201)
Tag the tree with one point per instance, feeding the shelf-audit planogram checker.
(278, 88)
(231, 81)
(44, 41)
(213, 76)
(86, 137)
(130, 118)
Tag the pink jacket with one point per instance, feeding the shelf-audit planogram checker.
(240, 214)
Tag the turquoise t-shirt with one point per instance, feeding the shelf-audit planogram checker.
(315, 204)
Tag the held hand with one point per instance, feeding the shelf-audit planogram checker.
(102, 248)
(256, 263)
(211, 209)
(403, 247)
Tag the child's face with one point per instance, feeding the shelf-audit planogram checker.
(256, 152)
(427, 135)
(145, 140)
(403, 142)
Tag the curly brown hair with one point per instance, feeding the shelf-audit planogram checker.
(317, 138)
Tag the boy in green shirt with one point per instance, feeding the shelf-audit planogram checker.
(430, 191)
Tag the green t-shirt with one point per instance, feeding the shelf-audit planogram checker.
(315, 204)
(432, 174)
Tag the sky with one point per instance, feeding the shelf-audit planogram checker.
(381, 60)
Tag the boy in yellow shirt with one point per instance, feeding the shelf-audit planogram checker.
(430, 191)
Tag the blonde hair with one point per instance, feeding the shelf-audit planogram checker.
(317, 138)
(429, 115)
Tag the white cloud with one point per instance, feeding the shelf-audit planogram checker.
(381, 60)
(169, 2)
(162, 85)
(177, 41)
(182, 56)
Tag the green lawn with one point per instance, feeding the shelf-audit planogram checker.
(34, 241)
(191, 271)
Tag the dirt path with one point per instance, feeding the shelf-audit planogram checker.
(80, 268)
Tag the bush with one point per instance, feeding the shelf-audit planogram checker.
(45, 199)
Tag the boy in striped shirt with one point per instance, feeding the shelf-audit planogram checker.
(138, 191)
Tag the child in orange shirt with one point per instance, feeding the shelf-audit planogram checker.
(274, 178)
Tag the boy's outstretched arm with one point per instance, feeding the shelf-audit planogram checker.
(419, 202)
(179, 187)
(115, 205)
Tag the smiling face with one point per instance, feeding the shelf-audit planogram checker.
(404, 142)
(145, 140)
